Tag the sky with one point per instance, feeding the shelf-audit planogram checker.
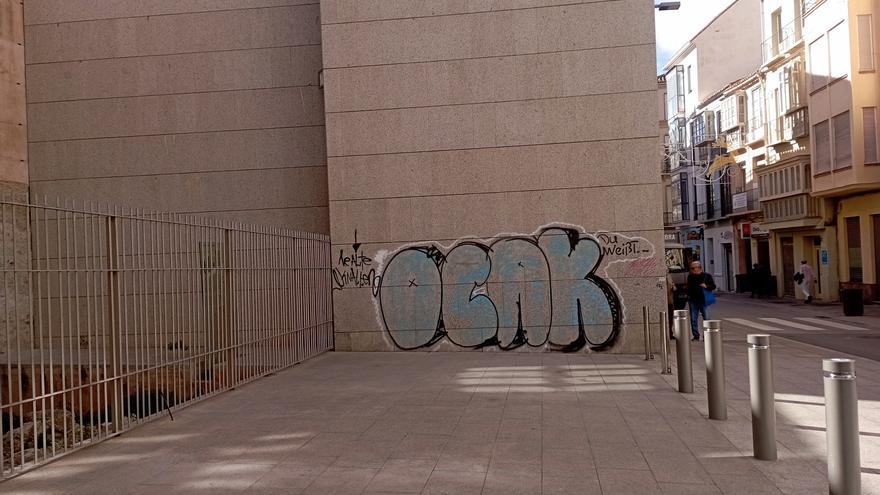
(677, 27)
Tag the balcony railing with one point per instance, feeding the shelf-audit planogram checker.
(702, 211)
(675, 106)
(787, 127)
(796, 124)
(745, 201)
(807, 6)
(736, 139)
(756, 130)
(790, 208)
(779, 43)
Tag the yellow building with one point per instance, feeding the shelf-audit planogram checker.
(841, 44)
(797, 224)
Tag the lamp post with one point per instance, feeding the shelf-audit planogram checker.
(667, 5)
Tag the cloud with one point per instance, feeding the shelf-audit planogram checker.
(677, 27)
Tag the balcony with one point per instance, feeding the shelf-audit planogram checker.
(796, 124)
(675, 106)
(788, 127)
(807, 6)
(736, 139)
(788, 36)
(790, 208)
(756, 130)
(745, 202)
(702, 212)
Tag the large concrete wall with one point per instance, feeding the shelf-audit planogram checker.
(208, 107)
(13, 118)
(492, 173)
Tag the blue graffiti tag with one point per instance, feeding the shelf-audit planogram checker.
(519, 290)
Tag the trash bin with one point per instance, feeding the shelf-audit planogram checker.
(852, 302)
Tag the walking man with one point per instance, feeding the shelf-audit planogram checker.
(806, 281)
(697, 283)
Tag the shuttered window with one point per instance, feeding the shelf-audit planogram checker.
(867, 48)
(822, 143)
(869, 125)
(842, 140)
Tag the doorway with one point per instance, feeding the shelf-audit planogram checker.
(787, 266)
(728, 266)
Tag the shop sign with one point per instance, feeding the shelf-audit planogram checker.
(747, 230)
(759, 231)
(670, 236)
(740, 201)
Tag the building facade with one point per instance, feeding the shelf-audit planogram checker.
(795, 219)
(704, 112)
(844, 95)
(802, 130)
(473, 166)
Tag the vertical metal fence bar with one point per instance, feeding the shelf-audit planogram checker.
(88, 372)
(39, 324)
(77, 377)
(192, 317)
(11, 399)
(67, 339)
(114, 311)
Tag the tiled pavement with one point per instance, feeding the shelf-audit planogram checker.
(490, 423)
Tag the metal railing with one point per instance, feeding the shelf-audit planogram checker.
(807, 6)
(736, 139)
(745, 201)
(755, 129)
(111, 317)
(780, 42)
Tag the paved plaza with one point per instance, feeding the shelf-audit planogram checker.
(490, 423)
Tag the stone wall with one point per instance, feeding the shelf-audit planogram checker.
(492, 174)
(212, 108)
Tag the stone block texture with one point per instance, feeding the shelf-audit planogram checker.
(13, 115)
(205, 107)
(492, 176)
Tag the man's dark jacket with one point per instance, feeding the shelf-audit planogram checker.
(694, 291)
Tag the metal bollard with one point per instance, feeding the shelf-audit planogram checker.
(683, 352)
(649, 354)
(842, 427)
(763, 398)
(715, 369)
(664, 344)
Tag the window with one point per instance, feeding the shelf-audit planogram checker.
(776, 30)
(757, 112)
(866, 43)
(682, 191)
(854, 248)
(869, 126)
(818, 63)
(838, 51)
(842, 143)
(690, 88)
(822, 152)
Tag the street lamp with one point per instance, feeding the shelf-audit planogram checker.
(667, 5)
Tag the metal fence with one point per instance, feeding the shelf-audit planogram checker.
(111, 317)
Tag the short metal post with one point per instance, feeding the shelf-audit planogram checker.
(842, 427)
(649, 353)
(683, 352)
(664, 344)
(762, 397)
(715, 369)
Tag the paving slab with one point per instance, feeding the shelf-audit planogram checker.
(480, 423)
